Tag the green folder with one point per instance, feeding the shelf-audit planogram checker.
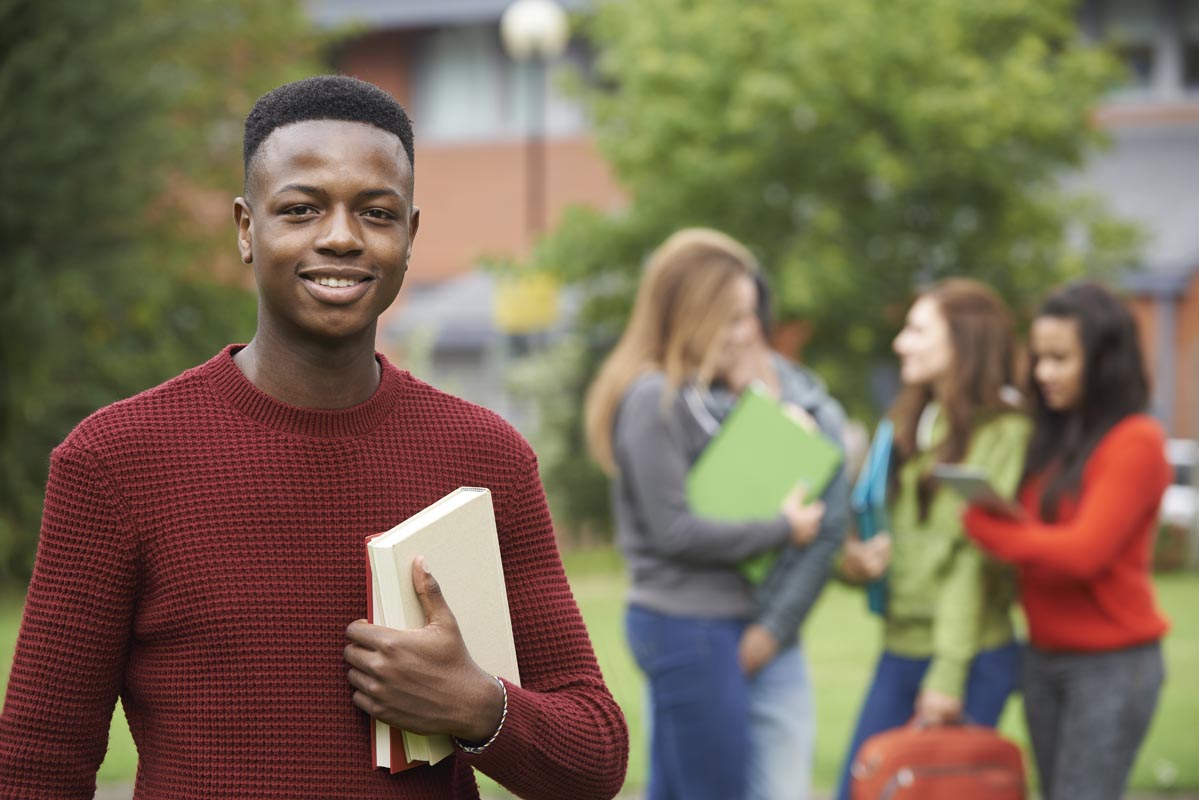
(757, 457)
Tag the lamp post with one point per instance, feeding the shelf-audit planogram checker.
(535, 32)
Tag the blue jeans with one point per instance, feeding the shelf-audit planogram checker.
(699, 705)
(891, 701)
(782, 729)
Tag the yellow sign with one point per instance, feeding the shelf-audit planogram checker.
(525, 303)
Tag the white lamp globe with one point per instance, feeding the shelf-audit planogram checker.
(534, 29)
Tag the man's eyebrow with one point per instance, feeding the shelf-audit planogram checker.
(366, 193)
(317, 191)
(303, 188)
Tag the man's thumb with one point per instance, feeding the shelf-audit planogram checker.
(428, 591)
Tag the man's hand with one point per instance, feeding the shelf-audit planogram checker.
(866, 561)
(423, 680)
(758, 648)
(804, 519)
(937, 708)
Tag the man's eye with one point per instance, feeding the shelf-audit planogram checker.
(379, 213)
(299, 211)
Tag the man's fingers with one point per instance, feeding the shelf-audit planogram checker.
(428, 591)
(365, 701)
(355, 656)
(363, 681)
(366, 635)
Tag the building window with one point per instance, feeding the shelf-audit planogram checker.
(1131, 28)
(1190, 46)
(460, 85)
(1157, 40)
(467, 89)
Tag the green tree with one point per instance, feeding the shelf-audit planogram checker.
(122, 121)
(860, 148)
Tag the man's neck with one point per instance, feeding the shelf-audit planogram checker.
(311, 375)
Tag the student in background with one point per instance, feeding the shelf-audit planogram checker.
(1094, 476)
(949, 647)
(689, 606)
(782, 705)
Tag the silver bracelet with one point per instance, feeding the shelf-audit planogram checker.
(476, 749)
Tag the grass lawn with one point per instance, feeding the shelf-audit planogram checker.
(842, 643)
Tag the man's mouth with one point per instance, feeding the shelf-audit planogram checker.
(338, 287)
(337, 283)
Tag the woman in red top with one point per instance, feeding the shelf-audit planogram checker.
(1093, 479)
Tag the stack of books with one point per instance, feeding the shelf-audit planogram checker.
(458, 538)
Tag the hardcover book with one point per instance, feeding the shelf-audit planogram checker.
(458, 538)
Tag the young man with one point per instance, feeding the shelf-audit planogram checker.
(202, 550)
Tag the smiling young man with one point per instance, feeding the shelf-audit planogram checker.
(201, 555)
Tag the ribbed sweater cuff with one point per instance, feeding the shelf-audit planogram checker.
(521, 726)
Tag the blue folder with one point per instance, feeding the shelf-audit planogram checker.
(869, 503)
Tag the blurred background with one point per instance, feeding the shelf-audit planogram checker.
(860, 148)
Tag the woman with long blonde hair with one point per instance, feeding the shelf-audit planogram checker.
(693, 322)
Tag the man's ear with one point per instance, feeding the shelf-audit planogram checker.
(244, 219)
(413, 227)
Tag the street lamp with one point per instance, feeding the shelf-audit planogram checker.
(535, 32)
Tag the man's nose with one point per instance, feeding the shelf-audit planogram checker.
(341, 233)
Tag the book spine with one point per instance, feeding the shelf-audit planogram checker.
(387, 742)
(371, 590)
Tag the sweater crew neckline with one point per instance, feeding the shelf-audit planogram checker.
(231, 384)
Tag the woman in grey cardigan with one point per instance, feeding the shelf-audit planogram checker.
(713, 646)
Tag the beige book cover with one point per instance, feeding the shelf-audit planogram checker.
(458, 538)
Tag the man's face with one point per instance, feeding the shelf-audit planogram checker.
(328, 224)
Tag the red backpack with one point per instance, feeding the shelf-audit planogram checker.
(939, 762)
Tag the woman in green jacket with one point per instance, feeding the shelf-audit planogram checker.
(949, 646)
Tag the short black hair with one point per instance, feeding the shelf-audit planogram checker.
(335, 97)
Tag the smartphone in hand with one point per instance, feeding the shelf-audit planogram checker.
(972, 484)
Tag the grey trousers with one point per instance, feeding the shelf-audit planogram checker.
(1087, 715)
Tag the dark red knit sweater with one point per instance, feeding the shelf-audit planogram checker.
(1084, 580)
(201, 556)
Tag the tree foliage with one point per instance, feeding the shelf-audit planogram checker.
(121, 124)
(860, 148)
